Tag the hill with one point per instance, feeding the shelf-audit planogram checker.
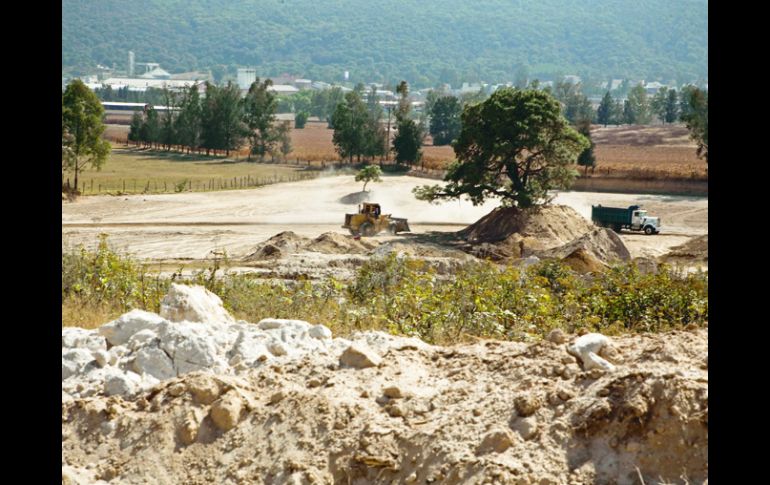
(424, 42)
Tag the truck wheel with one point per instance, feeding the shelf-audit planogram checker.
(366, 229)
(648, 230)
(617, 228)
(353, 232)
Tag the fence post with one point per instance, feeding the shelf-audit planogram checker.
(124, 186)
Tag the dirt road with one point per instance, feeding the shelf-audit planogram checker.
(190, 225)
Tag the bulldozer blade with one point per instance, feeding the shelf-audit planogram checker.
(401, 225)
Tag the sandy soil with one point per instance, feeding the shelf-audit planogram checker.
(191, 225)
(492, 412)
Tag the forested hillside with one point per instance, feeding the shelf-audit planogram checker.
(423, 41)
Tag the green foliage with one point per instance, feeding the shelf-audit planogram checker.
(357, 131)
(576, 106)
(696, 117)
(408, 142)
(516, 146)
(259, 108)
(637, 109)
(370, 173)
(82, 129)
(320, 40)
(445, 120)
(586, 158)
(300, 120)
(604, 111)
(409, 297)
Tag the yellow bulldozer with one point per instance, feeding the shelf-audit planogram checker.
(369, 221)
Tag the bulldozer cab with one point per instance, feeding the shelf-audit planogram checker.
(369, 209)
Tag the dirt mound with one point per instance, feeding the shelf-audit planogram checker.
(590, 252)
(336, 243)
(695, 250)
(278, 246)
(394, 410)
(510, 232)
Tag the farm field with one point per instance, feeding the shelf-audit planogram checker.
(132, 170)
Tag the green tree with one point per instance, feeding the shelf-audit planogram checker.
(259, 108)
(300, 119)
(604, 112)
(516, 145)
(697, 120)
(672, 107)
(168, 134)
(658, 104)
(445, 122)
(617, 113)
(629, 116)
(283, 139)
(188, 123)
(407, 143)
(222, 126)
(150, 131)
(349, 121)
(134, 132)
(586, 158)
(370, 173)
(82, 129)
(639, 105)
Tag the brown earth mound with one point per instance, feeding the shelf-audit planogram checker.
(278, 246)
(695, 250)
(517, 233)
(590, 252)
(492, 412)
(336, 243)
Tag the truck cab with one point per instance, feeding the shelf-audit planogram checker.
(640, 221)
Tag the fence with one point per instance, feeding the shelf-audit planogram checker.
(159, 186)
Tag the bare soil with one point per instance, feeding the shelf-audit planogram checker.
(491, 412)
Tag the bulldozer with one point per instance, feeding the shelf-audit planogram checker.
(369, 221)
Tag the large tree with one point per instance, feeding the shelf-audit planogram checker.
(82, 129)
(697, 120)
(586, 158)
(410, 134)
(516, 146)
(445, 123)
(188, 123)
(639, 106)
(350, 123)
(604, 112)
(259, 108)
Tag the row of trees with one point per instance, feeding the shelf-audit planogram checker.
(358, 131)
(222, 120)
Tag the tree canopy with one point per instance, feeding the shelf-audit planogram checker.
(82, 129)
(515, 146)
(370, 173)
(696, 118)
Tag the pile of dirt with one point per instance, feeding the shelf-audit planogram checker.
(517, 233)
(590, 252)
(277, 246)
(695, 250)
(395, 410)
(336, 243)
(355, 198)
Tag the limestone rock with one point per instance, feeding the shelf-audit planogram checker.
(360, 356)
(587, 348)
(204, 389)
(496, 441)
(73, 361)
(193, 304)
(226, 411)
(118, 331)
(320, 332)
(526, 427)
(74, 337)
(155, 362)
(121, 383)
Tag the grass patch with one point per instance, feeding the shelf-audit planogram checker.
(405, 296)
(133, 170)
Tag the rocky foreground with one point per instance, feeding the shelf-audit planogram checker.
(193, 396)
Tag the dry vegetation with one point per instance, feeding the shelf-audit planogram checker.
(132, 170)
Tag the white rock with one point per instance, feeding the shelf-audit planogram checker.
(360, 356)
(274, 323)
(191, 348)
(153, 361)
(141, 338)
(193, 304)
(249, 347)
(122, 383)
(587, 348)
(118, 331)
(102, 357)
(74, 337)
(320, 332)
(73, 361)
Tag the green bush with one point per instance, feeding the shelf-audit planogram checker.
(409, 297)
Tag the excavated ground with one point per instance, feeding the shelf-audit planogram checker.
(492, 412)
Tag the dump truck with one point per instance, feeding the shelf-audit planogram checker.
(618, 218)
(369, 221)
